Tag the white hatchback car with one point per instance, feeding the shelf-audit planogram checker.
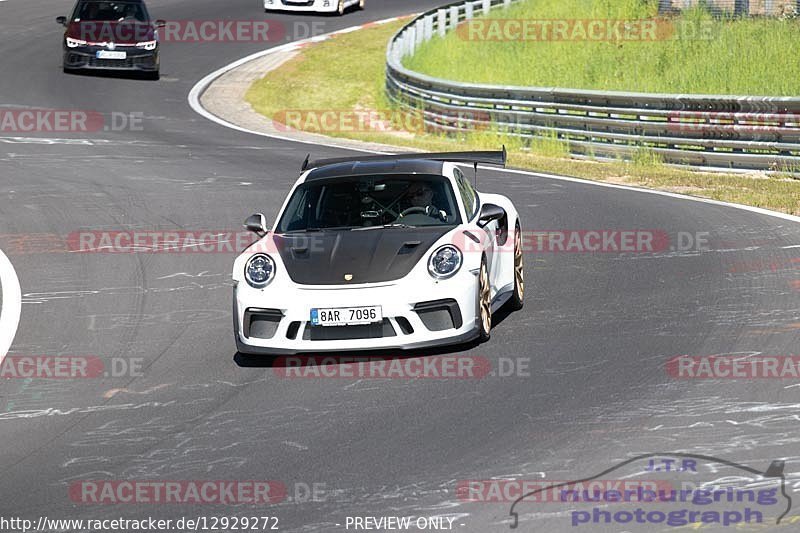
(379, 252)
(320, 6)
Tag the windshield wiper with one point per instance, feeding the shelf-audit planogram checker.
(394, 225)
(315, 229)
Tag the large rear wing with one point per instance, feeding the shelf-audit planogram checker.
(497, 157)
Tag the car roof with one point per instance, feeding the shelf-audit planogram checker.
(81, 2)
(375, 168)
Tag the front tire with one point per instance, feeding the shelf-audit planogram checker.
(484, 315)
(516, 302)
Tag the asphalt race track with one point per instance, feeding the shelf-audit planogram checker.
(597, 328)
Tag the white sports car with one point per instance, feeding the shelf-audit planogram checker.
(379, 252)
(320, 6)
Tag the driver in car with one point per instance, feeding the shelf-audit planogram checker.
(420, 194)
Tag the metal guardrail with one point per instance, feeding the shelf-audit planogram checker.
(708, 130)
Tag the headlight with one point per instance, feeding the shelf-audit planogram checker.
(74, 43)
(259, 270)
(147, 45)
(445, 262)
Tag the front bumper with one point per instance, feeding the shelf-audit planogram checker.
(413, 319)
(320, 6)
(85, 57)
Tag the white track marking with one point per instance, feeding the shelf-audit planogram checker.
(12, 305)
(200, 87)
(752, 209)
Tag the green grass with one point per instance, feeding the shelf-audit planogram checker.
(316, 80)
(742, 56)
(341, 74)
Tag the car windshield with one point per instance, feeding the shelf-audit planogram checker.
(103, 11)
(364, 202)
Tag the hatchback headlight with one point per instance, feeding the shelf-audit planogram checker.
(147, 45)
(445, 262)
(74, 43)
(259, 271)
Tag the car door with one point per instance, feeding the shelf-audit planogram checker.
(488, 234)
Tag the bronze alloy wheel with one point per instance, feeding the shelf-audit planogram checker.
(361, 4)
(516, 300)
(340, 9)
(484, 303)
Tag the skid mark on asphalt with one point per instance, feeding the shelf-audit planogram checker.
(113, 392)
(67, 411)
(50, 296)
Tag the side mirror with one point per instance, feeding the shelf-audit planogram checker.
(61, 20)
(488, 213)
(160, 23)
(257, 224)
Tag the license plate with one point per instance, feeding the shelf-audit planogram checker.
(107, 54)
(346, 316)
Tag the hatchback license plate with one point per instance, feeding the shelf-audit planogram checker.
(107, 54)
(346, 316)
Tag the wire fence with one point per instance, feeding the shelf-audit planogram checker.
(738, 8)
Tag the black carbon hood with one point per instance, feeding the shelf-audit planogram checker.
(371, 256)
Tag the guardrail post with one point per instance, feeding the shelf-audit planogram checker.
(402, 45)
(412, 39)
(428, 25)
(442, 13)
(419, 33)
(506, 4)
(469, 10)
(487, 6)
(453, 16)
(399, 48)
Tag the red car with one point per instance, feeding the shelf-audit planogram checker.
(111, 35)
